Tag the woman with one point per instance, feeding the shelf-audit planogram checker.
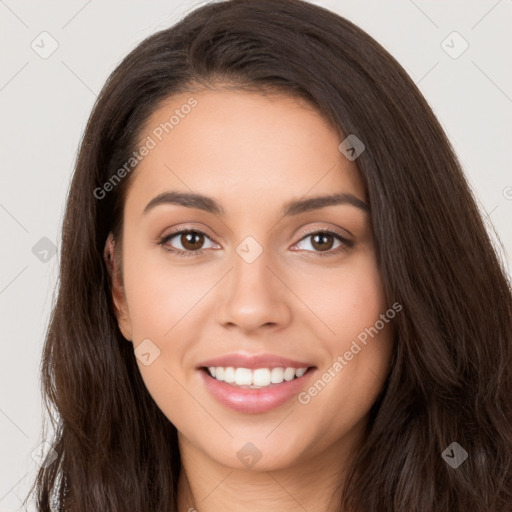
(276, 291)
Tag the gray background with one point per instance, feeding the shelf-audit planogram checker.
(45, 103)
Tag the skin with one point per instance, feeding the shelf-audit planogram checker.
(252, 153)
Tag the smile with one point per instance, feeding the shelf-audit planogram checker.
(252, 398)
(255, 379)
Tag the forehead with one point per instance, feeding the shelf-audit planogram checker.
(241, 146)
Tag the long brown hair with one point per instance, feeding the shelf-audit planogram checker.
(451, 375)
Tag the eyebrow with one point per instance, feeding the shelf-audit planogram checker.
(291, 208)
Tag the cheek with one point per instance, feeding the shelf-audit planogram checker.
(346, 300)
(359, 345)
(160, 293)
(350, 303)
(164, 301)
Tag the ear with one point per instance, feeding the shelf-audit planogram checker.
(117, 288)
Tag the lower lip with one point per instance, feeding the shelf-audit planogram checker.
(254, 401)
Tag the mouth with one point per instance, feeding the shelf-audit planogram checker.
(252, 391)
(259, 378)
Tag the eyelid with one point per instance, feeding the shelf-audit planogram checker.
(179, 229)
(318, 229)
(167, 235)
(346, 243)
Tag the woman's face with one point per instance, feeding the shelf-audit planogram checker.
(297, 285)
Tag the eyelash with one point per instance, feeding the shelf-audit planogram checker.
(345, 243)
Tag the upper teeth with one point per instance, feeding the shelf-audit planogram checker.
(259, 377)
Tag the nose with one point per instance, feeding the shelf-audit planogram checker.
(254, 295)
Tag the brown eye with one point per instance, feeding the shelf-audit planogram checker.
(322, 241)
(191, 240)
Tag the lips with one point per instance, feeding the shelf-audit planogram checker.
(253, 362)
(246, 399)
